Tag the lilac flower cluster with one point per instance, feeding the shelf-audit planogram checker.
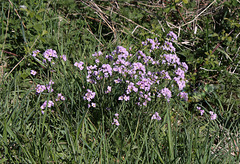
(124, 97)
(168, 46)
(109, 88)
(171, 59)
(41, 88)
(183, 95)
(156, 116)
(35, 53)
(200, 110)
(166, 93)
(48, 55)
(49, 86)
(79, 65)
(115, 120)
(154, 43)
(48, 104)
(135, 76)
(97, 54)
(141, 83)
(213, 115)
(89, 96)
(64, 57)
(33, 72)
(60, 97)
(172, 36)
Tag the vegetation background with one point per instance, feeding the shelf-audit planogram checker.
(208, 42)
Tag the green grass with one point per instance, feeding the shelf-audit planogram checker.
(73, 133)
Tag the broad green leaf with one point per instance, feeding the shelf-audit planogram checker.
(44, 32)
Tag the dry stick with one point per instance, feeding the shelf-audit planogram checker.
(15, 67)
(134, 29)
(195, 22)
(149, 12)
(222, 41)
(126, 19)
(215, 50)
(17, 13)
(9, 53)
(97, 20)
(99, 11)
(95, 37)
(6, 30)
(105, 23)
(22, 60)
(101, 14)
(90, 31)
(183, 18)
(132, 21)
(117, 5)
(198, 14)
(173, 26)
(161, 25)
(5, 37)
(89, 26)
(116, 24)
(157, 6)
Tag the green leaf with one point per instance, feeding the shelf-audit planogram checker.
(39, 17)
(227, 56)
(37, 27)
(24, 75)
(44, 32)
(185, 1)
(41, 10)
(3, 160)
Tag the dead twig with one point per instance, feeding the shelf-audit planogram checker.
(9, 53)
(5, 37)
(182, 18)
(102, 15)
(17, 13)
(199, 14)
(95, 36)
(129, 20)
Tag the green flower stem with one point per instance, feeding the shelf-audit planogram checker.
(170, 134)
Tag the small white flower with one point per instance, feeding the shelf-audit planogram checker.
(23, 7)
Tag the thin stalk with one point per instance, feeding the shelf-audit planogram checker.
(171, 152)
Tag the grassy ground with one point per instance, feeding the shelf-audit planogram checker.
(72, 132)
